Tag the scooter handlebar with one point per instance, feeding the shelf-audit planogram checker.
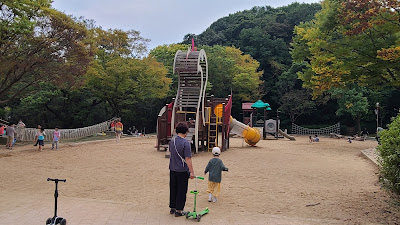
(57, 180)
(201, 178)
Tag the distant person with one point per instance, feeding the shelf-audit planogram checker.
(20, 127)
(378, 135)
(10, 132)
(310, 139)
(180, 169)
(214, 166)
(349, 140)
(119, 127)
(316, 138)
(2, 130)
(40, 138)
(21, 124)
(364, 133)
(37, 134)
(112, 126)
(56, 138)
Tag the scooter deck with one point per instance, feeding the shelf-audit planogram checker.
(194, 214)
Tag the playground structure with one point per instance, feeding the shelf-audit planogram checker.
(209, 118)
(253, 118)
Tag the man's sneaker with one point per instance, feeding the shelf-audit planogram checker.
(182, 213)
(214, 199)
(209, 197)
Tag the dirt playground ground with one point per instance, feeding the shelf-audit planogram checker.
(323, 183)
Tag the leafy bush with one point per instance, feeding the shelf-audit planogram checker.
(390, 153)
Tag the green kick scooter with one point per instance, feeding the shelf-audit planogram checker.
(194, 214)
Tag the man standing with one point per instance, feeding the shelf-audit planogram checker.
(10, 132)
(180, 166)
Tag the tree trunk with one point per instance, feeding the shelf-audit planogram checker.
(358, 119)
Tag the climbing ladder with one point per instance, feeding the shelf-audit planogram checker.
(212, 133)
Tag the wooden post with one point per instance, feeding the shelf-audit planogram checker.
(166, 124)
(265, 119)
(212, 103)
(223, 127)
(253, 115)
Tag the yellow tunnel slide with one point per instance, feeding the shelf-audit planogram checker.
(251, 135)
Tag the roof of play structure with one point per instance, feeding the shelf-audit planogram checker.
(247, 105)
(260, 105)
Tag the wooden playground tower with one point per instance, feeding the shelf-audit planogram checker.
(208, 117)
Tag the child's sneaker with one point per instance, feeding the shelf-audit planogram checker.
(214, 199)
(209, 197)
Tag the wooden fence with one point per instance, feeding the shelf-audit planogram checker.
(29, 134)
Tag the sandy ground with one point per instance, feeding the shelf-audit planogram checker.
(328, 181)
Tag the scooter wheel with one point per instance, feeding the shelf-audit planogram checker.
(187, 215)
(48, 221)
(63, 222)
(198, 217)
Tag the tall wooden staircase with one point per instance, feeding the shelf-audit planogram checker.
(191, 67)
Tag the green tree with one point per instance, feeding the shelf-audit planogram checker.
(124, 81)
(353, 102)
(390, 152)
(296, 103)
(228, 70)
(52, 106)
(116, 42)
(39, 44)
(349, 42)
(119, 76)
(265, 34)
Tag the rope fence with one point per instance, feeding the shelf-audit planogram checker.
(296, 129)
(29, 134)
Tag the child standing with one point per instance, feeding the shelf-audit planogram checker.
(119, 127)
(56, 138)
(37, 135)
(215, 166)
(2, 129)
(40, 138)
(112, 126)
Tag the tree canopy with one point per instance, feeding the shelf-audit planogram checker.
(350, 42)
(262, 32)
(39, 44)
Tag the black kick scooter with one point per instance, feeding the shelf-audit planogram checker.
(56, 220)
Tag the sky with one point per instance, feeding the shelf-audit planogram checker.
(161, 21)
